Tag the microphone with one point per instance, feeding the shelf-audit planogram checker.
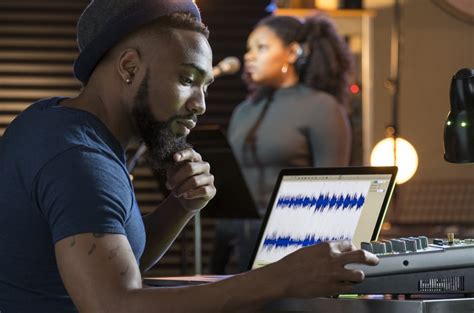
(227, 66)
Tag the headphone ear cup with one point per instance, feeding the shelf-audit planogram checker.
(302, 59)
(300, 64)
(299, 52)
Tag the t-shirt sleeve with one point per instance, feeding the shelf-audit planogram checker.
(83, 190)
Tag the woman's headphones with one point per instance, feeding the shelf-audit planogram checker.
(299, 51)
(302, 52)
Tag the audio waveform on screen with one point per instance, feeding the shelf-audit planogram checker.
(322, 217)
(308, 213)
(287, 241)
(333, 202)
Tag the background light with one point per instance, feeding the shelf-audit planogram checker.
(355, 89)
(406, 158)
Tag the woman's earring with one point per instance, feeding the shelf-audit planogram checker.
(284, 69)
(128, 81)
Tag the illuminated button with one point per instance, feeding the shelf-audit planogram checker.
(450, 238)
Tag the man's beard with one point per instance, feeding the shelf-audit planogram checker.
(160, 141)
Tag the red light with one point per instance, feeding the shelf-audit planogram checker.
(355, 89)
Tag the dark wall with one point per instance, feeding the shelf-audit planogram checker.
(38, 48)
(230, 22)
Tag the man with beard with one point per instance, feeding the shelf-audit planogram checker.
(72, 236)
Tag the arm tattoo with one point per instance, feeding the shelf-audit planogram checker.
(95, 235)
(92, 249)
(125, 271)
(72, 243)
(113, 252)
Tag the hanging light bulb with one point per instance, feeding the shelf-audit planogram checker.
(394, 150)
(403, 155)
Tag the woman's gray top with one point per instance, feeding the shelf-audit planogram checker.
(302, 127)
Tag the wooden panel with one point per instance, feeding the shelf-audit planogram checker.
(35, 82)
(23, 68)
(37, 50)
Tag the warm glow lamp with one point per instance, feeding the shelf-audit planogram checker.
(396, 151)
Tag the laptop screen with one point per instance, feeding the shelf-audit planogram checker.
(310, 206)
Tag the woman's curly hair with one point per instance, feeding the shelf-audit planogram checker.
(326, 63)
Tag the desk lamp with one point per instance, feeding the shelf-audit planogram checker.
(459, 127)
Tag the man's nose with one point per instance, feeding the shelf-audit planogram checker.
(197, 104)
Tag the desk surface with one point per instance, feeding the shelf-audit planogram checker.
(330, 305)
(366, 304)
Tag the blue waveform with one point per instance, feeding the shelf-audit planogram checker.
(322, 201)
(284, 242)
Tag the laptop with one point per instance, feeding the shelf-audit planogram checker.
(313, 205)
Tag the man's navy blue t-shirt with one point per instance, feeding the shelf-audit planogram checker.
(62, 173)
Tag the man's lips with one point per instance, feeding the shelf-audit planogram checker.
(189, 124)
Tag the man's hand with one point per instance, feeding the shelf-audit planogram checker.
(190, 180)
(192, 187)
(319, 270)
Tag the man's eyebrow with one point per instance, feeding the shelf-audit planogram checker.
(201, 71)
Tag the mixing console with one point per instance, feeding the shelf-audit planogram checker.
(412, 265)
(414, 254)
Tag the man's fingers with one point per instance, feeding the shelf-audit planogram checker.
(194, 182)
(205, 192)
(345, 287)
(187, 155)
(183, 172)
(359, 256)
(344, 245)
(354, 276)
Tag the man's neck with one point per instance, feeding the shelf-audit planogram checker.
(109, 110)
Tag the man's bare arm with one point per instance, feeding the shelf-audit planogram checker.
(100, 273)
(162, 227)
(192, 186)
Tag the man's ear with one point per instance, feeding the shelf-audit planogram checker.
(129, 63)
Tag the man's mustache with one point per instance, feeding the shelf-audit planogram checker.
(190, 116)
